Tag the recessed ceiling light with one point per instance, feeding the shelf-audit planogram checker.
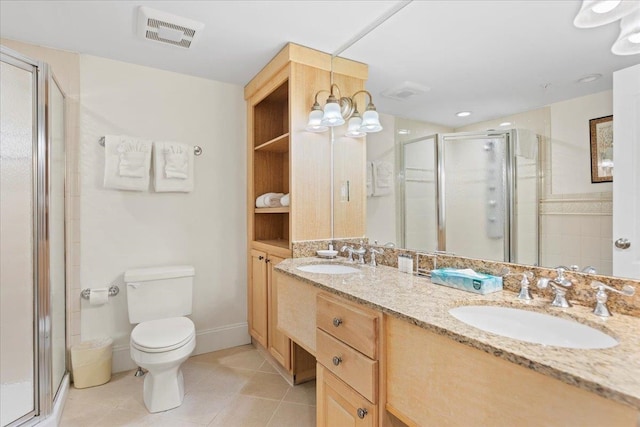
(589, 78)
(404, 131)
(463, 114)
(505, 124)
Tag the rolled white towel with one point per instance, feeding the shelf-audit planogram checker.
(285, 200)
(269, 200)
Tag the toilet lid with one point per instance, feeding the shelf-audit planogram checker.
(162, 334)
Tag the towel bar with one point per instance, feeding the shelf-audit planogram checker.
(197, 150)
(113, 291)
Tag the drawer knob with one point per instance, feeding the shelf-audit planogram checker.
(337, 360)
(337, 321)
(362, 413)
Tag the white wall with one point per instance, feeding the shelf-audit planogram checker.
(570, 146)
(205, 228)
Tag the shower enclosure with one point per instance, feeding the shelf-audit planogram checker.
(32, 241)
(473, 194)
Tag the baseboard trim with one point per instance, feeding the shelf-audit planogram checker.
(207, 340)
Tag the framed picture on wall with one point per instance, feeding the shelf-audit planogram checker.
(601, 135)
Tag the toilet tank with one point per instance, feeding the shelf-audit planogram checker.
(159, 292)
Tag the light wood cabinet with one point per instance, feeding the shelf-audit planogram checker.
(338, 405)
(257, 296)
(279, 344)
(284, 158)
(432, 380)
(349, 393)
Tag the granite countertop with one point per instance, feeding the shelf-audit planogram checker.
(613, 373)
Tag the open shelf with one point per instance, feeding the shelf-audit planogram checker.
(278, 144)
(281, 209)
(284, 244)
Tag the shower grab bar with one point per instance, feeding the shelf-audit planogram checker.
(197, 150)
(113, 291)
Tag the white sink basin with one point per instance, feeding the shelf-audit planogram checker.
(533, 327)
(328, 269)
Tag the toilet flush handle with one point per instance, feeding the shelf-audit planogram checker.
(133, 285)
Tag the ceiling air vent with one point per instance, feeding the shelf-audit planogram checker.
(166, 28)
(405, 91)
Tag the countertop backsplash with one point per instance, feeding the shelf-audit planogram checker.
(580, 293)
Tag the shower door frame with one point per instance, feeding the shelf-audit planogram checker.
(509, 173)
(42, 379)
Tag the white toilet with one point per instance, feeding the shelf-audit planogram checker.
(158, 299)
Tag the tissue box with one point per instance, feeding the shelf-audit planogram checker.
(466, 280)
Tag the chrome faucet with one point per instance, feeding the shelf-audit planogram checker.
(524, 284)
(360, 252)
(349, 250)
(601, 296)
(559, 286)
(374, 252)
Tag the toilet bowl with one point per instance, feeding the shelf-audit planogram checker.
(158, 299)
(160, 347)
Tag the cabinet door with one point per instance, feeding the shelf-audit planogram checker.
(338, 405)
(279, 343)
(258, 295)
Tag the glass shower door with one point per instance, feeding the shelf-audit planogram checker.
(17, 241)
(473, 195)
(419, 225)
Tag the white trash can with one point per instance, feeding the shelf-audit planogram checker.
(91, 362)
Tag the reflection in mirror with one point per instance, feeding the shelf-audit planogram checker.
(574, 217)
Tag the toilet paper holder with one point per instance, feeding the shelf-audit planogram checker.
(113, 291)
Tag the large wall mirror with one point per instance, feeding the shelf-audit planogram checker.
(512, 180)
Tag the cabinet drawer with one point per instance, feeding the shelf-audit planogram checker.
(352, 367)
(339, 405)
(349, 323)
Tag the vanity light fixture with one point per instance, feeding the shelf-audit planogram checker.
(463, 114)
(505, 124)
(338, 109)
(628, 42)
(594, 13)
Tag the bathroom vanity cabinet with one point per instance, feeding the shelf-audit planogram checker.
(284, 158)
(383, 370)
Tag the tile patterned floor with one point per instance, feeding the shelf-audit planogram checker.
(235, 387)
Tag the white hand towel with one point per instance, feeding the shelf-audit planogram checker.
(382, 178)
(173, 167)
(269, 200)
(126, 163)
(285, 200)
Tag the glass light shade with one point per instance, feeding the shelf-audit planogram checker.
(332, 116)
(628, 43)
(594, 13)
(354, 130)
(370, 122)
(315, 121)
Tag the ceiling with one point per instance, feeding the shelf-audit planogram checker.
(493, 58)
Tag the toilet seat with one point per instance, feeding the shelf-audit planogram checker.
(162, 335)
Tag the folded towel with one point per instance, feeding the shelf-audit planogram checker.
(285, 200)
(269, 200)
(382, 178)
(173, 167)
(369, 179)
(127, 162)
(176, 161)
